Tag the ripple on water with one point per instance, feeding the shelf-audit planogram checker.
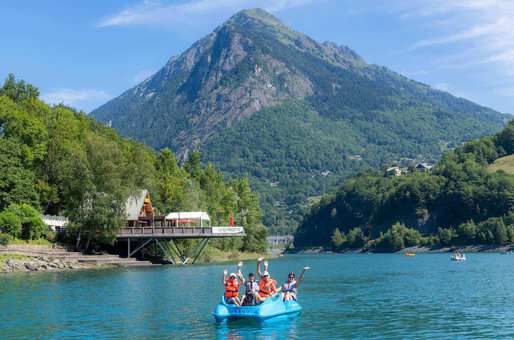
(344, 296)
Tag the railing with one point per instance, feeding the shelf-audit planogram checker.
(181, 232)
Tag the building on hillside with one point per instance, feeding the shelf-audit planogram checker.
(394, 171)
(56, 223)
(424, 167)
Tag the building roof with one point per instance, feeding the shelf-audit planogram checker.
(188, 215)
(135, 204)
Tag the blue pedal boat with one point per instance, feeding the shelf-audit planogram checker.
(272, 307)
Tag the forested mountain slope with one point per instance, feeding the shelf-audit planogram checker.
(259, 98)
(460, 202)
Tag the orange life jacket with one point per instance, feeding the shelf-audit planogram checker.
(231, 288)
(267, 289)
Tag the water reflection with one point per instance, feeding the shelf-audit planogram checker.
(278, 328)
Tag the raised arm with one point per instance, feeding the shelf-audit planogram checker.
(300, 279)
(225, 272)
(259, 260)
(239, 273)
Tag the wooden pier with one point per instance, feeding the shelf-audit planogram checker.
(145, 226)
(143, 236)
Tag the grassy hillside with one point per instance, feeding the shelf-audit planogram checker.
(503, 163)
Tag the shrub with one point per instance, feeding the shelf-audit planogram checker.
(5, 239)
(10, 223)
(32, 226)
(447, 236)
(398, 237)
(338, 239)
(356, 238)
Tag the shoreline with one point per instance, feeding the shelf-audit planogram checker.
(477, 248)
(40, 258)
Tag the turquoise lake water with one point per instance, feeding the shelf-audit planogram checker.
(343, 296)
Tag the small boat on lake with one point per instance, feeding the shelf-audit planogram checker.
(409, 253)
(272, 307)
(458, 257)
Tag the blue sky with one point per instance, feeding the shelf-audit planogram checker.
(83, 53)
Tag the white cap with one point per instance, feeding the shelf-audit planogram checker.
(232, 274)
(265, 273)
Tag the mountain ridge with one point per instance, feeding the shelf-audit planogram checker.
(253, 68)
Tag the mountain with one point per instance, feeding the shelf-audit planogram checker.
(296, 115)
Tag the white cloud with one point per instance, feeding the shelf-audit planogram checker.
(82, 99)
(483, 28)
(157, 12)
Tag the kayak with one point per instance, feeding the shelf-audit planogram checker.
(271, 307)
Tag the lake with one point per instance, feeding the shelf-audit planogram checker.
(343, 296)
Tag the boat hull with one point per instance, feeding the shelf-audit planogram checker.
(270, 308)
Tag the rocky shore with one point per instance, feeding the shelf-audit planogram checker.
(35, 264)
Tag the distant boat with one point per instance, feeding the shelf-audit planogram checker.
(458, 257)
(409, 253)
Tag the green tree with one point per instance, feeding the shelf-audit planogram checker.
(467, 232)
(10, 223)
(338, 239)
(356, 238)
(447, 236)
(32, 226)
(193, 165)
(18, 90)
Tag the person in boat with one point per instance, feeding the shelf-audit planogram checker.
(290, 288)
(232, 284)
(267, 285)
(251, 291)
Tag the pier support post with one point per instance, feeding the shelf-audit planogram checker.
(202, 245)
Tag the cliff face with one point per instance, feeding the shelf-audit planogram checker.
(262, 100)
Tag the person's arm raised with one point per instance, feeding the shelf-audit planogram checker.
(225, 272)
(300, 279)
(239, 273)
(259, 260)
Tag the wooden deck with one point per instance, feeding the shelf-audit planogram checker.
(180, 232)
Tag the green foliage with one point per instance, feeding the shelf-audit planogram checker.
(59, 161)
(32, 226)
(355, 238)
(5, 239)
(10, 223)
(331, 111)
(398, 237)
(338, 239)
(18, 90)
(473, 204)
(447, 236)
(467, 232)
